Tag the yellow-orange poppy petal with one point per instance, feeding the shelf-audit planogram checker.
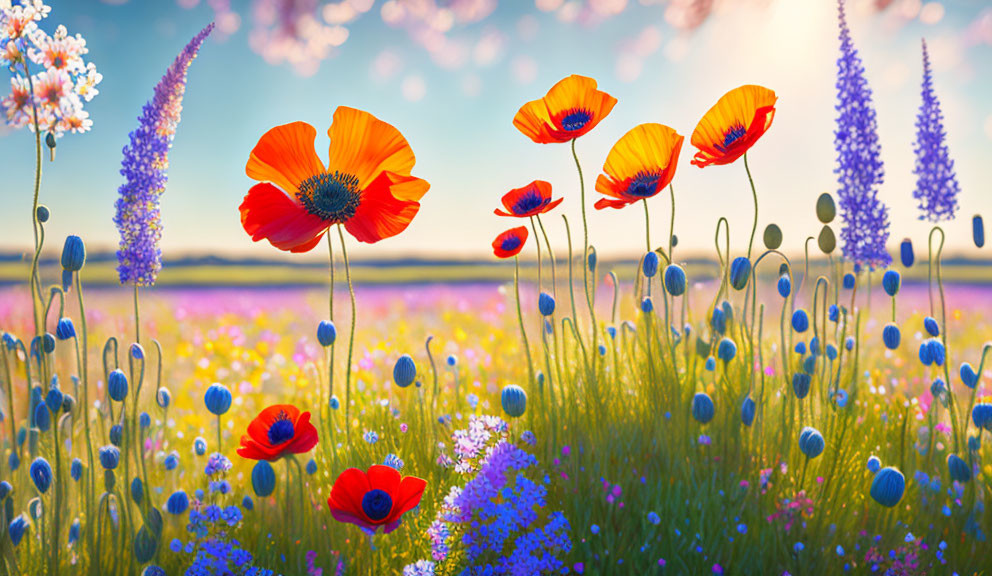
(738, 119)
(381, 214)
(285, 156)
(364, 146)
(570, 109)
(641, 164)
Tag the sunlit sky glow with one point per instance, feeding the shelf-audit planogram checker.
(451, 80)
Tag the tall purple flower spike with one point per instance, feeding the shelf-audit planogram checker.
(145, 162)
(859, 166)
(936, 184)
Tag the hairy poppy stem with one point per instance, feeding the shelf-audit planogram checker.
(351, 337)
(754, 193)
(520, 317)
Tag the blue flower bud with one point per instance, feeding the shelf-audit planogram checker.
(73, 254)
(703, 409)
(311, 467)
(747, 411)
(326, 333)
(334, 403)
(54, 399)
(602, 350)
(849, 281)
(137, 490)
(247, 503)
(200, 446)
(13, 461)
(849, 343)
(647, 306)
(136, 351)
(740, 272)
(74, 531)
(41, 474)
(43, 213)
(217, 399)
(710, 364)
(811, 442)
(650, 265)
(833, 313)
(841, 397)
(891, 281)
(906, 253)
(784, 286)
(171, 461)
(592, 259)
(546, 304)
(263, 479)
(958, 468)
(178, 502)
(801, 384)
(974, 443)
(16, 529)
(874, 464)
(726, 350)
(675, 280)
(514, 400)
(117, 385)
(831, 352)
(5, 490)
(718, 322)
(612, 331)
(888, 486)
(48, 343)
(116, 434)
(163, 397)
(68, 403)
(800, 348)
(978, 230)
(64, 330)
(891, 336)
(800, 321)
(110, 456)
(451, 360)
(930, 325)
(42, 418)
(76, 469)
(144, 420)
(814, 345)
(405, 371)
(809, 364)
(981, 415)
(968, 375)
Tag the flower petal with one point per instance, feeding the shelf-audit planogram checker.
(305, 437)
(381, 214)
(407, 497)
(269, 213)
(347, 493)
(749, 108)
(285, 156)
(385, 478)
(364, 146)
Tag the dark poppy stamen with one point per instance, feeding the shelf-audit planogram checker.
(333, 196)
(377, 504)
(281, 430)
(643, 184)
(510, 244)
(575, 119)
(733, 135)
(529, 201)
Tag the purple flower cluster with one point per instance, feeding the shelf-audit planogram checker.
(138, 218)
(936, 184)
(859, 165)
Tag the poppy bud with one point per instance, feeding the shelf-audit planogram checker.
(110, 456)
(800, 321)
(41, 474)
(5, 490)
(42, 419)
(968, 375)
(163, 397)
(171, 461)
(826, 209)
(800, 348)
(932, 352)
(50, 142)
(73, 254)
(650, 265)
(888, 486)
(117, 385)
(16, 529)
(831, 352)
(311, 467)
(136, 351)
(65, 330)
(809, 364)
(144, 420)
(891, 281)
(849, 343)
(937, 388)
(801, 384)
(784, 286)
(217, 399)
(675, 240)
(43, 214)
(874, 464)
(592, 259)
(849, 281)
(747, 411)
(726, 350)
(247, 503)
(546, 304)
(710, 364)
(326, 333)
(718, 322)
(263, 479)
(54, 399)
(200, 446)
(178, 502)
(906, 253)
(76, 469)
(930, 325)
(833, 313)
(13, 462)
(958, 468)
(647, 306)
(702, 407)
(48, 343)
(116, 434)
(978, 231)
(405, 371)
(740, 271)
(891, 336)
(981, 415)
(827, 241)
(514, 400)
(772, 237)
(811, 442)
(137, 490)
(675, 279)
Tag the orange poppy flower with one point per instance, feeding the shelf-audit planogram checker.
(374, 499)
(571, 108)
(531, 200)
(366, 186)
(510, 243)
(733, 125)
(641, 164)
(279, 429)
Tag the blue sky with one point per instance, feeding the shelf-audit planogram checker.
(453, 87)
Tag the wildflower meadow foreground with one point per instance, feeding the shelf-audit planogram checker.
(789, 406)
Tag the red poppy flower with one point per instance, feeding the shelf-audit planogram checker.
(510, 243)
(373, 499)
(367, 185)
(279, 430)
(733, 125)
(532, 199)
(571, 108)
(641, 164)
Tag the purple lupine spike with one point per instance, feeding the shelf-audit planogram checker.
(936, 184)
(145, 161)
(859, 165)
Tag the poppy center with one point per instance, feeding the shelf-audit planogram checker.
(643, 185)
(733, 135)
(281, 430)
(332, 196)
(575, 119)
(531, 200)
(377, 504)
(510, 244)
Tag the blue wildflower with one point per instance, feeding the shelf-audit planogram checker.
(936, 183)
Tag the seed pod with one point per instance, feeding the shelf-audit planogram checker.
(906, 253)
(826, 210)
(772, 237)
(827, 241)
(978, 230)
(891, 281)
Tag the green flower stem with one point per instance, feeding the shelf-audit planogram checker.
(754, 194)
(82, 362)
(351, 337)
(520, 318)
(590, 289)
